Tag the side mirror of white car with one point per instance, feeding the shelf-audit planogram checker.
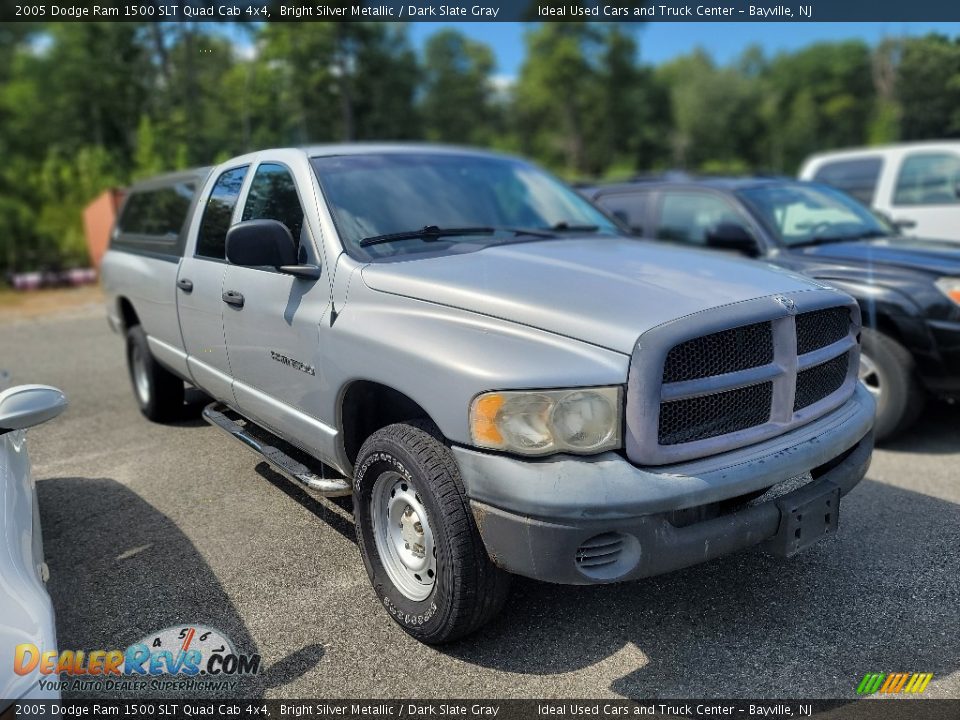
(24, 406)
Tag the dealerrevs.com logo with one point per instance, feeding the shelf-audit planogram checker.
(192, 657)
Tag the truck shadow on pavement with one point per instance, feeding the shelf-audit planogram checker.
(121, 570)
(937, 432)
(881, 596)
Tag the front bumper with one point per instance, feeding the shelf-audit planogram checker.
(536, 516)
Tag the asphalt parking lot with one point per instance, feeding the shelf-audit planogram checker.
(148, 526)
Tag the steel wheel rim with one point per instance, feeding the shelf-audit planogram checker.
(869, 375)
(402, 533)
(141, 381)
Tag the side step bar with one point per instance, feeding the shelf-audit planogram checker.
(216, 414)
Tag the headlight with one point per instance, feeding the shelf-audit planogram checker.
(539, 422)
(950, 286)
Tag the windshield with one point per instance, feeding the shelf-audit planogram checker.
(812, 214)
(381, 194)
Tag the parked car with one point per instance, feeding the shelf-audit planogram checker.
(908, 289)
(24, 603)
(502, 379)
(915, 185)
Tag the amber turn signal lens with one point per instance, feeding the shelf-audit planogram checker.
(483, 420)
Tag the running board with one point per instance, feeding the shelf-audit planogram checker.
(216, 414)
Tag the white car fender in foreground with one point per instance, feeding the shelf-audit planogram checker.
(26, 612)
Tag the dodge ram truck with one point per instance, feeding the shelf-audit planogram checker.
(502, 379)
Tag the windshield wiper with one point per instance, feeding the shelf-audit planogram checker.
(432, 233)
(564, 226)
(827, 239)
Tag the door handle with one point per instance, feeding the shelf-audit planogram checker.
(232, 297)
(905, 223)
(185, 285)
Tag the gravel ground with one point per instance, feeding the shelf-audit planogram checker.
(148, 526)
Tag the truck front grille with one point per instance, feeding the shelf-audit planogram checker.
(821, 328)
(707, 416)
(780, 367)
(721, 352)
(820, 381)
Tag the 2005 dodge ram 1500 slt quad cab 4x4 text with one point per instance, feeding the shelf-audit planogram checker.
(503, 380)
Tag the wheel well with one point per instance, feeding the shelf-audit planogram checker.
(368, 406)
(127, 313)
(883, 324)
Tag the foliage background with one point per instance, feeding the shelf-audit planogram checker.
(87, 106)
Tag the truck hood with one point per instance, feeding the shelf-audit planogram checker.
(939, 257)
(605, 291)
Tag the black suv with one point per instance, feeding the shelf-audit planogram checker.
(907, 288)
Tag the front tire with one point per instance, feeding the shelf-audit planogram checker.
(420, 544)
(886, 369)
(159, 393)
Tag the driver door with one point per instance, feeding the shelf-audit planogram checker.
(273, 321)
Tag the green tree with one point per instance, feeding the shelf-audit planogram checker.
(825, 94)
(458, 95)
(558, 94)
(715, 121)
(928, 88)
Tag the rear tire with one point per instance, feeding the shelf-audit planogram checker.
(886, 369)
(420, 544)
(159, 393)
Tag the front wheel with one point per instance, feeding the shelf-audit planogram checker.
(418, 538)
(886, 369)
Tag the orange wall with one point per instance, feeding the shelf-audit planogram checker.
(98, 218)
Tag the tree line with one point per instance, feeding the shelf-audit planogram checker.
(88, 106)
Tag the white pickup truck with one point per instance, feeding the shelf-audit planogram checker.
(916, 186)
(504, 381)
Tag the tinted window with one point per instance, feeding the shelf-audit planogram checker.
(688, 217)
(631, 208)
(856, 177)
(157, 212)
(212, 238)
(273, 196)
(928, 179)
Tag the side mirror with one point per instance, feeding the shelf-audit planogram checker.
(259, 243)
(24, 406)
(733, 236)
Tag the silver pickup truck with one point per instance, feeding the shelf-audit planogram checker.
(503, 381)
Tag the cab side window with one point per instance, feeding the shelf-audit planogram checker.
(216, 216)
(688, 217)
(629, 208)
(928, 179)
(273, 196)
(855, 177)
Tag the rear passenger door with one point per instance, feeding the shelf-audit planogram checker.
(274, 339)
(200, 286)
